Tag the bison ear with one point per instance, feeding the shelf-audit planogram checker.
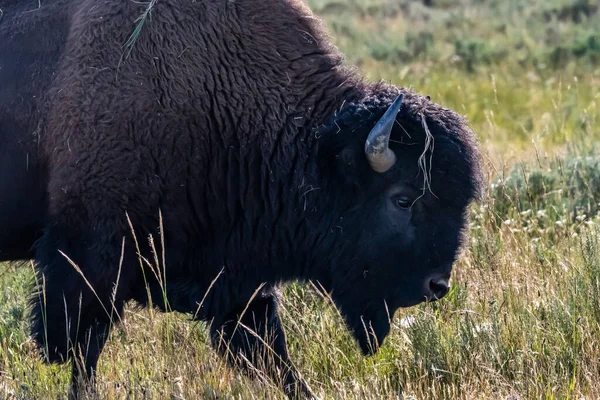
(347, 165)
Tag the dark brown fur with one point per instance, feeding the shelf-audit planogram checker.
(239, 121)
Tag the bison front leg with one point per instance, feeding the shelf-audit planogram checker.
(254, 335)
(75, 306)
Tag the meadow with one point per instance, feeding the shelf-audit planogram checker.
(522, 320)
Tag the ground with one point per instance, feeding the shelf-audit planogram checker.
(523, 318)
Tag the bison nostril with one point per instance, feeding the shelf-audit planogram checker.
(439, 287)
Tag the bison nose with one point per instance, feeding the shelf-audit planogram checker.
(439, 286)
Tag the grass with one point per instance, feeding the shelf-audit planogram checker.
(523, 318)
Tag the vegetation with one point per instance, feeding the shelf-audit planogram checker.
(523, 317)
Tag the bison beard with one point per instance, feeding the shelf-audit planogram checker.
(269, 159)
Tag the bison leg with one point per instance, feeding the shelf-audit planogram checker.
(259, 338)
(73, 314)
(22, 198)
(87, 353)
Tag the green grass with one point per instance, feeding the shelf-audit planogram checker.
(523, 317)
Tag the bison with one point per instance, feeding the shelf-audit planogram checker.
(269, 159)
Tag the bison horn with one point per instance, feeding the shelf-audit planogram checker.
(380, 156)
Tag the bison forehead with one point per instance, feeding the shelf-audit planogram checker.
(427, 137)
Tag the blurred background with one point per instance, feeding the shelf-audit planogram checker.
(521, 70)
(523, 318)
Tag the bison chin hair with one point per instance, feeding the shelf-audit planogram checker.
(369, 332)
(369, 327)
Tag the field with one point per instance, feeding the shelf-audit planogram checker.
(523, 318)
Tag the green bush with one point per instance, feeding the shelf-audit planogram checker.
(565, 193)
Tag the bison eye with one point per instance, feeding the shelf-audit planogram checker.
(403, 202)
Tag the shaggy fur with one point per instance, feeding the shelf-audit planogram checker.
(240, 123)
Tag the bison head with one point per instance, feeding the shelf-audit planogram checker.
(401, 173)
